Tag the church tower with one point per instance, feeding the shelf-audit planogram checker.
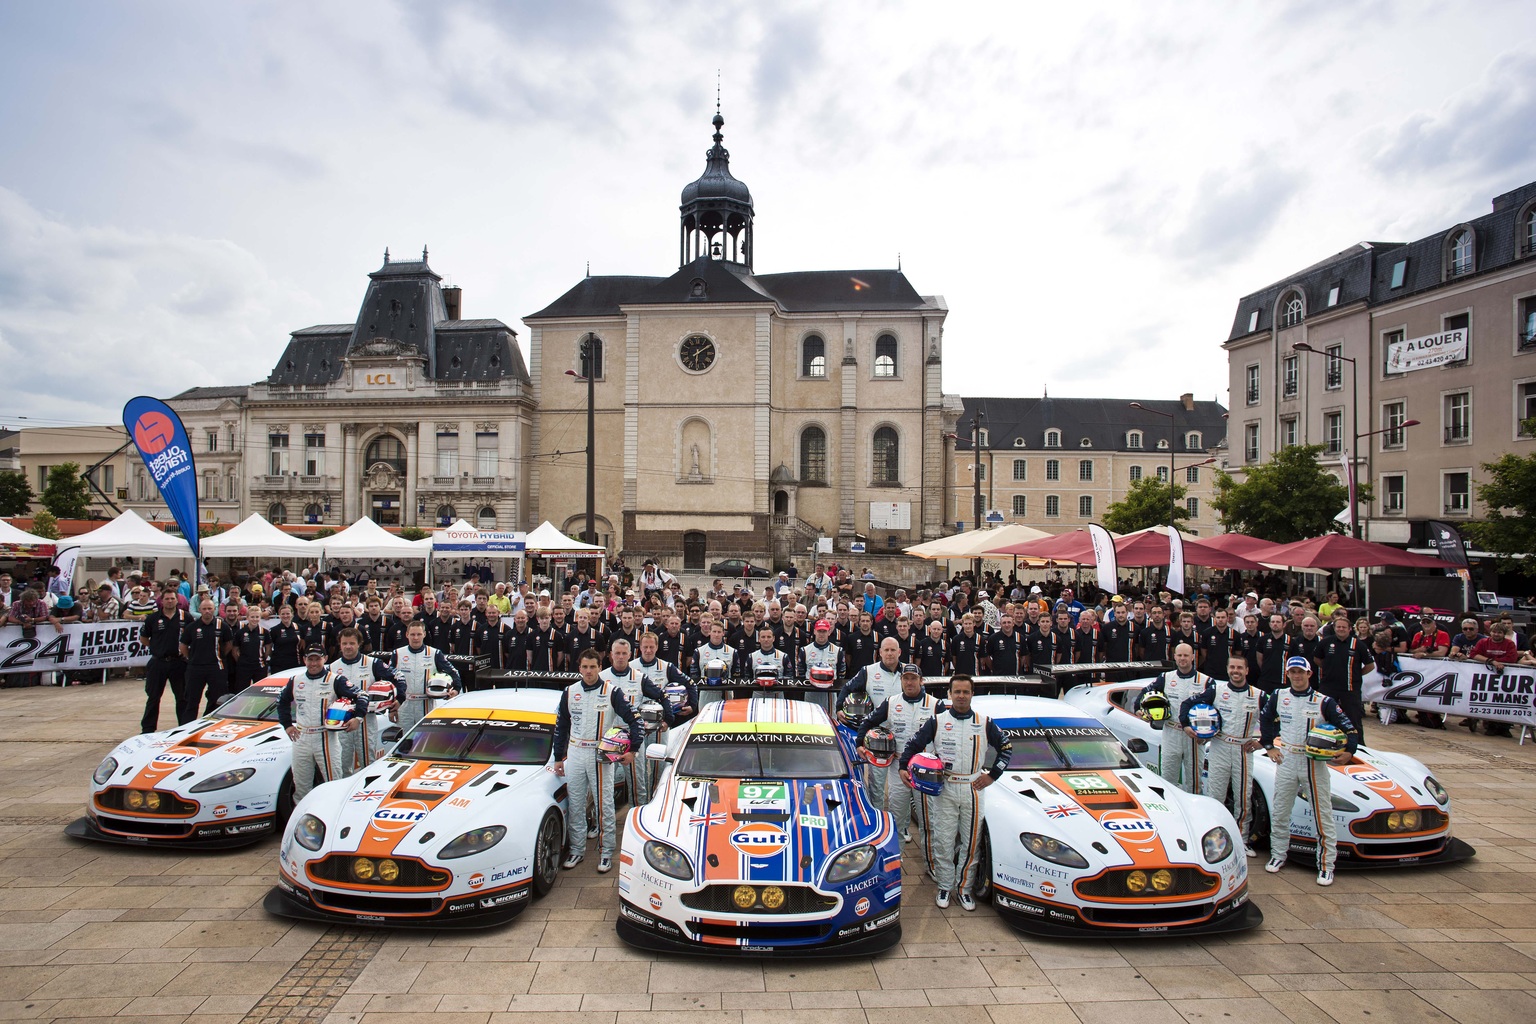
(716, 211)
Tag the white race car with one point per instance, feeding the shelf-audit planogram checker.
(1081, 841)
(460, 825)
(1388, 808)
(758, 842)
(224, 780)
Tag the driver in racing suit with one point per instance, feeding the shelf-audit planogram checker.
(636, 687)
(414, 663)
(879, 682)
(301, 711)
(587, 708)
(1229, 756)
(363, 746)
(1180, 754)
(714, 649)
(1289, 714)
(903, 715)
(821, 652)
(667, 677)
(960, 738)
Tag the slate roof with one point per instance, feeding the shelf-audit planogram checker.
(232, 391)
(1103, 421)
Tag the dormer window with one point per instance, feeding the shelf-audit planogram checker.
(1192, 440)
(1162, 444)
(1053, 439)
(1458, 254)
(1133, 439)
(1085, 443)
(1019, 442)
(1292, 309)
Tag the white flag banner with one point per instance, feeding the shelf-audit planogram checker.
(1430, 350)
(1104, 558)
(65, 561)
(74, 645)
(1175, 562)
(1349, 472)
(1465, 688)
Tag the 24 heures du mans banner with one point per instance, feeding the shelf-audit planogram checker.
(1465, 688)
(74, 645)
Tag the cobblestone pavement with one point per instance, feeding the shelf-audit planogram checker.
(96, 932)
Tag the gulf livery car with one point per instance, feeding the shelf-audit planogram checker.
(1389, 810)
(223, 780)
(1080, 840)
(759, 842)
(459, 826)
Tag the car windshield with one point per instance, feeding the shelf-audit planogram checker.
(478, 741)
(256, 703)
(1042, 744)
(762, 756)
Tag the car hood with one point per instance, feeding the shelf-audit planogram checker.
(181, 757)
(762, 829)
(1381, 781)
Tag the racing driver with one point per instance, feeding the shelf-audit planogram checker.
(414, 663)
(1180, 748)
(301, 710)
(587, 708)
(903, 715)
(363, 745)
(1230, 754)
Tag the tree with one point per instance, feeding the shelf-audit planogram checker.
(1289, 498)
(67, 495)
(1146, 504)
(15, 494)
(1510, 497)
(413, 533)
(45, 525)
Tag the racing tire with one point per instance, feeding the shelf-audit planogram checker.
(982, 889)
(1259, 820)
(285, 803)
(547, 852)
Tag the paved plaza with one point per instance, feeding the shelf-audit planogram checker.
(99, 932)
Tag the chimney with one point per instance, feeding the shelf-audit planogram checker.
(453, 300)
(1187, 397)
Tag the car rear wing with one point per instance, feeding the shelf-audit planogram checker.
(1068, 676)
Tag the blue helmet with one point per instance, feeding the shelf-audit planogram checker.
(1205, 720)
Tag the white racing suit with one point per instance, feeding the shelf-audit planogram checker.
(363, 745)
(412, 669)
(1287, 718)
(1180, 752)
(903, 718)
(1228, 767)
(814, 655)
(880, 684)
(303, 703)
(702, 656)
(637, 687)
(584, 715)
(952, 820)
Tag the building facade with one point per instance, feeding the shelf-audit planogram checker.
(99, 452)
(1311, 361)
(1057, 464)
(739, 414)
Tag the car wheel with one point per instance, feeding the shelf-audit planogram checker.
(546, 853)
(1260, 823)
(982, 888)
(284, 802)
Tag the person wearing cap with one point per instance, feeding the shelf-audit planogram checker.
(1179, 756)
(1289, 715)
(821, 652)
(1429, 642)
(902, 714)
(301, 711)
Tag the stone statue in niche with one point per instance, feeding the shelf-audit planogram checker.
(694, 467)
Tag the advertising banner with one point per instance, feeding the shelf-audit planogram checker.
(65, 561)
(1430, 350)
(162, 442)
(1465, 688)
(1175, 562)
(1447, 542)
(1104, 558)
(77, 645)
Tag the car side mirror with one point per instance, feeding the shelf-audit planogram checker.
(391, 735)
(656, 752)
(1137, 745)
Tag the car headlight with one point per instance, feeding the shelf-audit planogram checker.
(108, 768)
(1052, 849)
(850, 864)
(1435, 790)
(223, 780)
(309, 832)
(669, 860)
(475, 841)
(1340, 804)
(1216, 845)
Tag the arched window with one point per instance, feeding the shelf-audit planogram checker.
(885, 356)
(277, 514)
(445, 515)
(1459, 254)
(1053, 439)
(1292, 310)
(1019, 505)
(813, 455)
(593, 346)
(1133, 439)
(813, 356)
(485, 519)
(313, 512)
(887, 451)
(1528, 231)
(385, 448)
(1192, 440)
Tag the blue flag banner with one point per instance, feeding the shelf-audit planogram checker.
(167, 454)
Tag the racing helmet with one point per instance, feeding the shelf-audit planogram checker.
(677, 695)
(1205, 720)
(381, 693)
(1324, 741)
(881, 744)
(615, 743)
(438, 685)
(714, 672)
(1155, 706)
(927, 774)
(651, 715)
(339, 713)
(823, 677)
(858, 707)
(765, 674)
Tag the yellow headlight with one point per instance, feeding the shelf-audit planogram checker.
(134, 798)
(1162, 880)
(1395, 821)
(1136, 881)
(1410, 820)
(388, 870)
(152, 800)
(744, 896)
(773, 897)
(362, 869)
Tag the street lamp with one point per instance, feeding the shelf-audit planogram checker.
(1354, 420)
(588, 373)
(1169, 416)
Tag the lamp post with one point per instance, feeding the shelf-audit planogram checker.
(588, 373)
(976, 421)
(1354, 421)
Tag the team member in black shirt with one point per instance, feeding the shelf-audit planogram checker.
(373, 625)
(861, 646)
(287, 642)
(1155, 640)
(461, 632)
(544, 643)
(202, 644)
(965, 648)
(930, 650)
(1085, 641)
(1273, 648)
(319, 630)
(491, 639)
(1118, 636)
(1343, 659)
(251, 649)
(161, 632)
(1005, 654)
(1216, 645)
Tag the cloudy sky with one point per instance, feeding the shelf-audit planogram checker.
(1090, 186)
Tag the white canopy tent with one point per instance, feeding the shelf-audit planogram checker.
(257, 538)
(127, 536)
(14, 541)
(367, 539)
(547, 541)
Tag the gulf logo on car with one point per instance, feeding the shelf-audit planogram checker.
(173, 758)
(1376, 780)
(220, 811)
(399, 815)
(759, 839)
(655, 901)
(1048, 888)
(476, 880)
(862, 907)
(1128, 826)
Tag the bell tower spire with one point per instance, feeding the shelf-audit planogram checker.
(717, 208)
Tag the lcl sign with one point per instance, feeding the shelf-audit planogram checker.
(379, 378)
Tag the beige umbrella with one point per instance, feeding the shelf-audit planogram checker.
(976, 543)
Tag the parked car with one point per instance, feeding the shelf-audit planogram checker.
(740, 567)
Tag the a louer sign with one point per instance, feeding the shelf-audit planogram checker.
(1430, 350)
